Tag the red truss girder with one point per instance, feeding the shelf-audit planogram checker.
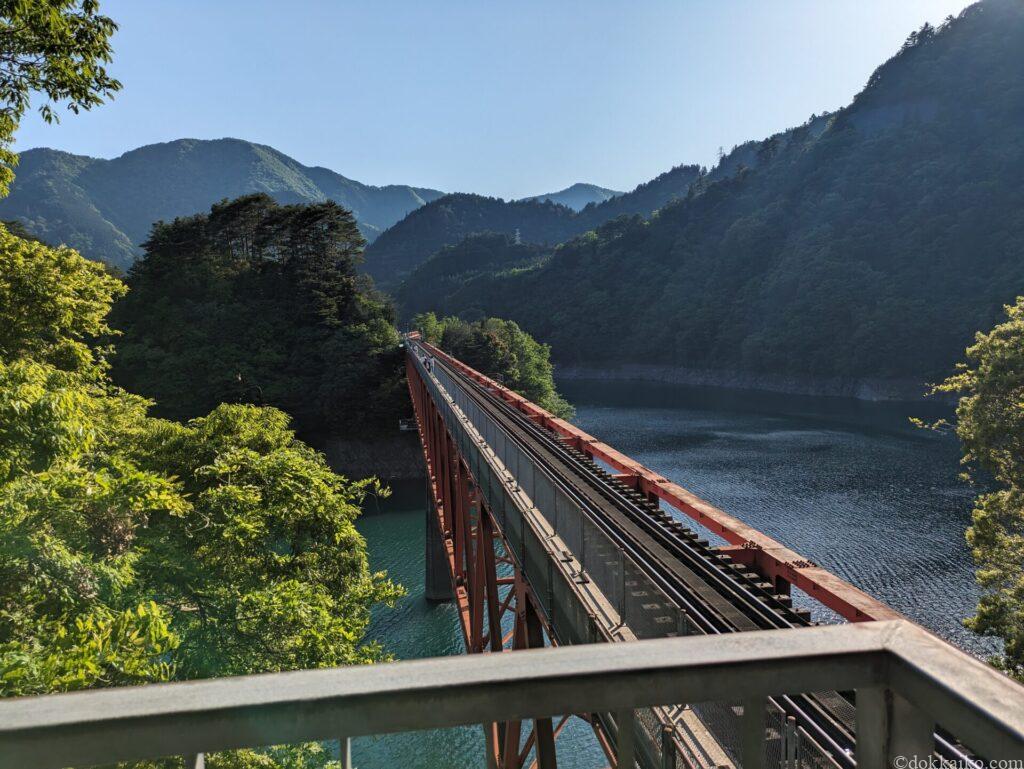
(482, 595)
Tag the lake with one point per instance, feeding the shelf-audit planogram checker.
(849, 484)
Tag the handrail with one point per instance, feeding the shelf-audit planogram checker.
(978, 704)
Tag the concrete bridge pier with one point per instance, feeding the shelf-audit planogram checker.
(437, 582)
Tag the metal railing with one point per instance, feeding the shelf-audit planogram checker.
(905, 680)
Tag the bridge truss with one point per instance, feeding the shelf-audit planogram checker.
(538, 544)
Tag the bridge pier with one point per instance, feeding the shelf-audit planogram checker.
(437, 580)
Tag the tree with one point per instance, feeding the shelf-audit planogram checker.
(56, 48)
(134, 549)
(499, 348)
(52, 303)
(260, 303)
(70, 495)
(990, 424)
(264, 569)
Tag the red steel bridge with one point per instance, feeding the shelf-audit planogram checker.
(544, 536)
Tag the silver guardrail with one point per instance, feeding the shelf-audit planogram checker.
(905, 680)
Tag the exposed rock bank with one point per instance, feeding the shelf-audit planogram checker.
(862, 389)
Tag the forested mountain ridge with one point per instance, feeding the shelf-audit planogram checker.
(105, 208)
(447, 278)
(451, 218)
(869, 243)
(644, 199)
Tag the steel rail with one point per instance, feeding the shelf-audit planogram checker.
(703, 619)
(615, 501)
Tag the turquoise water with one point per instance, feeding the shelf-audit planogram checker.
(415, 628)
(418, 628)
(850, 485)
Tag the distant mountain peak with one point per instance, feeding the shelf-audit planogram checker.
(577, 196)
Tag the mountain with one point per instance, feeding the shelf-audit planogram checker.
(447, 277)
(449, 219)
(105, 208)
(867, 244)
(578, 196)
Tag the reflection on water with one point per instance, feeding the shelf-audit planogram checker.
(848, 484)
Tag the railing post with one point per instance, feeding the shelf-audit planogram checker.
(625, 739)
(752, 727)
(621, 608)
(889, 727)
(668, 749)
(789, 743)
(583, 541)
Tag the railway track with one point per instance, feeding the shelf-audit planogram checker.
(715, 594)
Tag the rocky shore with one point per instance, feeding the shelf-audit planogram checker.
(863, 389)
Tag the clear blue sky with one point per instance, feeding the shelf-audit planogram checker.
(504, 98)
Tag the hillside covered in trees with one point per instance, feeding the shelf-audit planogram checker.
(448, 277)
(257, 302)
(104, 208)
(449, 219)
(502, 350)
(872, 242)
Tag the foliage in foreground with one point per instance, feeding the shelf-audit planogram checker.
(990, 423)
(135, 549)
(501, 349)
(56, 49)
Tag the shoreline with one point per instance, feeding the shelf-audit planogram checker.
(867, 389)
(398, 457)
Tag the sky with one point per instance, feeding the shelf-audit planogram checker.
(509, 99)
